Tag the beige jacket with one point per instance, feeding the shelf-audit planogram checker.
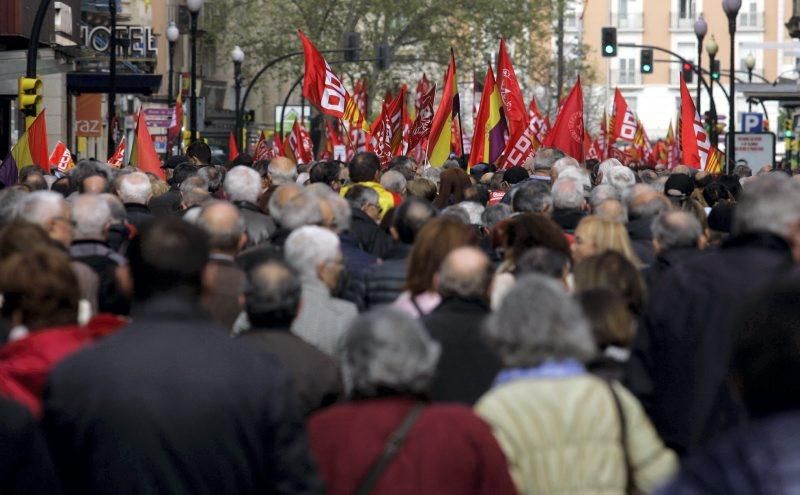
(562, 435)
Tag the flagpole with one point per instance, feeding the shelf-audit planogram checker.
(460, 123)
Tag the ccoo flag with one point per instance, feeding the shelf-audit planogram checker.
(567, 132)
(488, 138)
(325, 90)
(696, 149)
(442, 125)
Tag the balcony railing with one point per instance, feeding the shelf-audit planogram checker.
(628, 20)
(682, 23)
(626, 78)
(750, 21)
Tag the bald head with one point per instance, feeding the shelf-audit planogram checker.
(676, 230)
(225, 227)
(466, 273)
(282, 170)
(274, 296)
(612, 210)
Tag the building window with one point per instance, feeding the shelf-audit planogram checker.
(686, 9)
(627, 71)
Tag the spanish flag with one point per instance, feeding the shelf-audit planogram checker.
(143, 153)
(442, 126)
(488, 138)
(31, 149)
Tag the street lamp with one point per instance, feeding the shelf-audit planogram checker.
(750, 63)
(237, 55)
(194, 7)
(700, 30)
(712, 48)
(731, 8)
(173, 33)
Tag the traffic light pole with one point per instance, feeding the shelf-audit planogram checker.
(33, 47)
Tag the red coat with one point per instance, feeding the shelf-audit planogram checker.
(449, 449)
(25, 364)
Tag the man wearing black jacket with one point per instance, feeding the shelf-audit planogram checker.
(171, 404)
(678, 365)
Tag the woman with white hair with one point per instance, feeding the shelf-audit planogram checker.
(562, 429)
(389, 438)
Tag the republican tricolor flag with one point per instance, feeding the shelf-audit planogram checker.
(488, 138)
(31, 149)
(325, 90)
(696, 149)
(441, 134)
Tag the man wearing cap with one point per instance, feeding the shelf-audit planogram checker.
(170, 202)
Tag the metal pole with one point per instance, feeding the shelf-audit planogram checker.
(237, 80)
(170, 89)
(699, 74)
(193, 97)
(112, 76)
(714, 135)
(750, 81)
(560, 48)
(731, 151)
(36, 29)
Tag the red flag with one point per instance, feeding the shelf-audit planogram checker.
(526, 145)
(422, 124)
(387, 130)
(297, 144)
(144, 154)
(696, 149)
(116, 159)
(37, 141)
(423, 88)
(325, 90)
(567, 132)
(233, 148)
(261, 151)
(175, 126)
(513, 103)
(61, 158)
(624, 122)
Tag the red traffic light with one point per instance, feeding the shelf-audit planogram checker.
(687, 66)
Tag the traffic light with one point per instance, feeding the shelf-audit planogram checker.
(352, 43)
(788, 130)
(715, 70)
(383, 56)
(646, 61)
(249, 116)
(609, 41)
(30, 97)
(688, 72)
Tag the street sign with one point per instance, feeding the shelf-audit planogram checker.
(158, 117)
(757, 149)
(752, 122)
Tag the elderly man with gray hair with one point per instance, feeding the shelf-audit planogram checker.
(544, 381)
(224, 279)
(92, 218)
(272, 301)
(681, 351)
(242, 187)
(315, 254)
(677, 235)
(388, 362)
(467, 366)
(135, 192)
(569, 205)
(643, 204)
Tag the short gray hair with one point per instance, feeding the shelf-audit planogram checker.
(563, 164)
(393, 181)
(387, 350)
(650, 208)
(474, 210)
(308, 246)
(770, 203)
(495, 214)
(194, 191)
(222, 234)
(568, 194)
(433, 174)
(676, 229)
(281, 174)
(546, 157)
(621, 177)
(116, 207)
(242, 184)
(135, 188)
(556, 330)
(601, 193)
(342, 214)
(303, 209)
(10, 199)
(40, 207)
(606, 166)
(359, 196)
(91, 215)
(457, 212)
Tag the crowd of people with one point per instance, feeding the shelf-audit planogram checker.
(352, 328)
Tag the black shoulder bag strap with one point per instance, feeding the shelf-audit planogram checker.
(630, 485)
(390, 450)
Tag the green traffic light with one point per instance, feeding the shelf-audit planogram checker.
(788, 134)
(647, 68)
(609, 49)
